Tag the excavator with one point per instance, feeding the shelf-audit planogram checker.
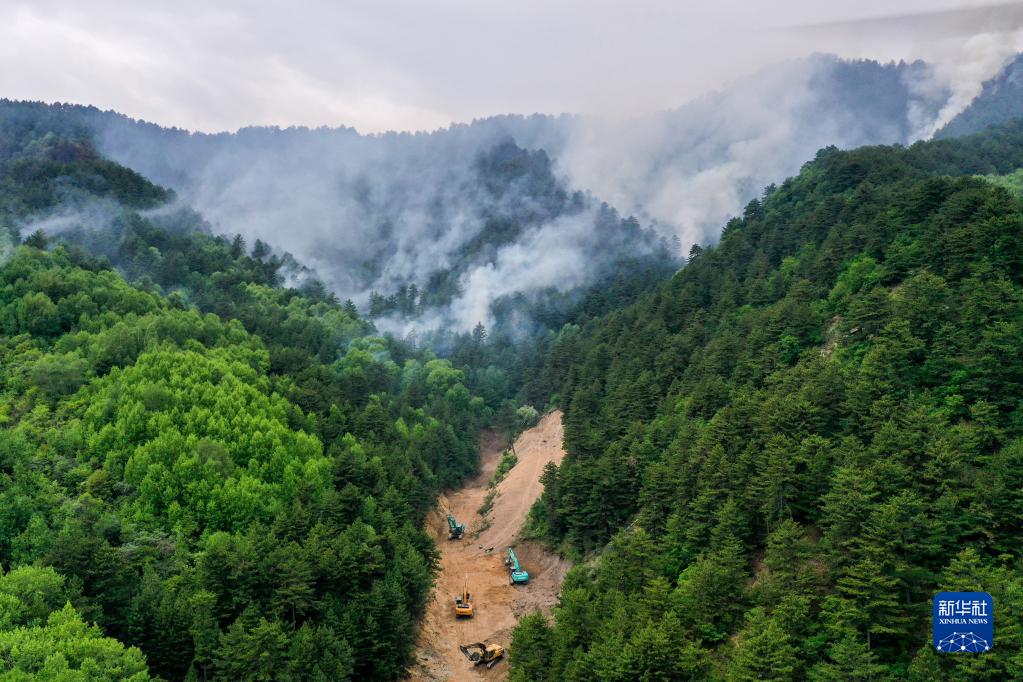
(479, 653)
(463, 602)
(455, 530)
(518, 575)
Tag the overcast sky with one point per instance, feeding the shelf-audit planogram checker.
(408, 65)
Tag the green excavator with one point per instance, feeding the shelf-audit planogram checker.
(455, 530)
(518, 575)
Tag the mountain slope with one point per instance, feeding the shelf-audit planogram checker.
(383, 213)
(1000, 100)
(231, 479)
(423, 231)
(784, 452)
(231, 475)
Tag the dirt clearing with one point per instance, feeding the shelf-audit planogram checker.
(498, 605)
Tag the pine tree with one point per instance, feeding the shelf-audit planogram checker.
(237, 246)
(775, 479)
(37, 240)
(786, 563)
(205, 633)
(869, 599)
(764, 651)
(850, 659)
(260, 250)
(294, 591)
(530, 656)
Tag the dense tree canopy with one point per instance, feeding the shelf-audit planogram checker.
(785, 451)
(228, 477)
(775, 458)
(153, 458)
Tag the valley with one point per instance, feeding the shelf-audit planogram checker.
(722, 380)
(479, 559)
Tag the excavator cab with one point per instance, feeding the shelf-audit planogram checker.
(455, 530)
(480, 653)
(463, 602)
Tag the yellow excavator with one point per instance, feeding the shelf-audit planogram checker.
(463, 602)
(480, 653)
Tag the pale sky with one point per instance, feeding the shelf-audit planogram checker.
(422, 64)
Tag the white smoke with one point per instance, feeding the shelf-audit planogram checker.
(961, 67)
(365, 212)
(550, 256)
(371, 213)
(689, 170)
(70, 215)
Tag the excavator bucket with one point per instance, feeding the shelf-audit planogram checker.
(474, 652)
(479, 653)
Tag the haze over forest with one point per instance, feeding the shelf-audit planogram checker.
(709, 315)
(380, 212)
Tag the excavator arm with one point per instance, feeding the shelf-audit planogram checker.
(479, 653)
(474, 652)
(463, 602)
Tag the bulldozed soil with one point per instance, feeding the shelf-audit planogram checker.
(498, 605)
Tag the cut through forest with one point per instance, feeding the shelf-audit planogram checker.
(497, 604)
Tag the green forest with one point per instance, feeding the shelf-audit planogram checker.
(213, 469)
(778, 457)
(196, 483)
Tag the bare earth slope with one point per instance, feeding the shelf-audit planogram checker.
(498, 605)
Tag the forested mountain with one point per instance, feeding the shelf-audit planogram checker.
(229, 480)
(212, 466)
(450, 222)
(783, 453)
(419, 231)
(690, 168)
(1000, 100)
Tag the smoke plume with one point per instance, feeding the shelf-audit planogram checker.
(462, 209)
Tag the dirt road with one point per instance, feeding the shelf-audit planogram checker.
(498, 605)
